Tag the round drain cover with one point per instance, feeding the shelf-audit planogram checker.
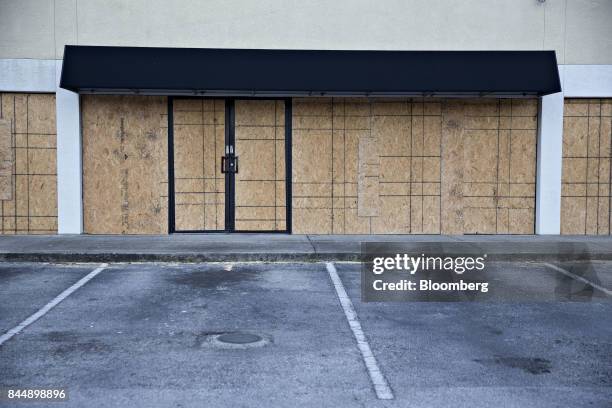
(239, 338)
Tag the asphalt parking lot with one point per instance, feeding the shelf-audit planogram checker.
(147, 335)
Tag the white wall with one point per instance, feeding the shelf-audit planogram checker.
(578, 30)
(69, 160)
(549, 165)
(586, 81)
(27, 75)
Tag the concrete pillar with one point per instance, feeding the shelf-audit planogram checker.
(69, 160)
(549, 164)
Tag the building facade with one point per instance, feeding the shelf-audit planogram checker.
(142, 162)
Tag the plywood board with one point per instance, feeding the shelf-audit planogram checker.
(496, 163)
(199, 142)
(360, 190)
(124, 164)
(260, 135)
(312, 164)
(6, 160)
(433, 153)
(28, 203)
(452, 221)
(368, 204)
(585, 196)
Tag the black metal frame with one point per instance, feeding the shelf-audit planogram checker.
(230, 182)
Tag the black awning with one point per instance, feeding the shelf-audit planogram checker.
(253, 72)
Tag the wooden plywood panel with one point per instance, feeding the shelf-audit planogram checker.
(480, 156)
(260, 148)
(393, 217)
(41, 115)
(312, 154)
(253, 113)
(28, 168)
(363, 188)
(585, 197)
(124, 164)
(199, 142)
(496, 141)
(6, 160)
(312, 164)
(452, 221)
(432, 155)
(368, 204)
(392, 133)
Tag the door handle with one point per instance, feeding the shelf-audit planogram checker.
(223, 164)
(229, 164)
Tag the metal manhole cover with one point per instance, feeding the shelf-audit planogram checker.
(239, 338)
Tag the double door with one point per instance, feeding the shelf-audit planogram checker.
(229, 170)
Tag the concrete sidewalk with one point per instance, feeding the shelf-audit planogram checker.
(280, 247)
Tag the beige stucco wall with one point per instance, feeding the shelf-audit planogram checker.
(579, 30)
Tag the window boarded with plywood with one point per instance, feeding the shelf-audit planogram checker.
(6, 160)
(125, 150)
(199, 144)
(587, 147)
(414, 166)
(366, 166)
(499, 166)
(28, 170)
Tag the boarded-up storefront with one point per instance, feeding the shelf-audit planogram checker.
(414, 166)
(309, 141)
(359, 166)
(28, 170)
(585, 195)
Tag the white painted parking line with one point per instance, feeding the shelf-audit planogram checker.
(41, 312)
(381, 386)
(580, 278)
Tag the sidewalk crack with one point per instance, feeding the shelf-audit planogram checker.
(311, 244)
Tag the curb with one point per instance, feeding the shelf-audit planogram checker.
(268, 257)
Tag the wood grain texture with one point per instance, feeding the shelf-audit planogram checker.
(362, 166)
(199, 144)
(260, 146)
(28, 169)
(7, 160)
(488, 170)
(587, 146)
(124, 164)
(417, 166)
(368, 194)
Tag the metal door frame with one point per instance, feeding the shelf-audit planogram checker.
(230, 193)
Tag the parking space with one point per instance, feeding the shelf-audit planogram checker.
(507, 351)
(148, 335)
(25, 288)
(139, 335)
